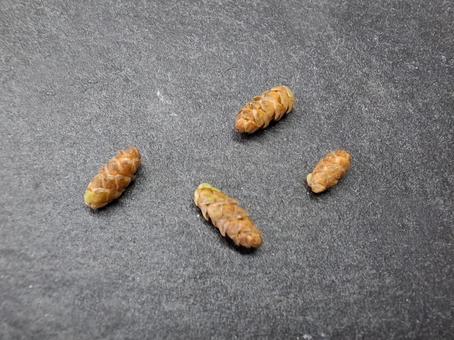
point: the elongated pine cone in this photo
(113, 178)
(262, 110)
(225, 214)
(332, 168)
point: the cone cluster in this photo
(221, 210)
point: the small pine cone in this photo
(333, 167)
(113, 178)
(262, 110)
(225, 214)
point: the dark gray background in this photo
(372, 258)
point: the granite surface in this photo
(370, 259)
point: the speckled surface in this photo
(372, 258)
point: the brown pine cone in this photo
(262, 110)
(332, 168)
(225, 214)
(112, 179)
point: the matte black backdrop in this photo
(372, 258)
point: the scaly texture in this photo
(112, 179)
(262, 110)
(333, 167)
(226, 215)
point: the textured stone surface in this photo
(372, 258)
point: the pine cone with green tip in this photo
(225, 214)
(113, 178)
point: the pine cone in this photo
(333, 167)
(262, 110)
(112, 179)
(225, 214)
